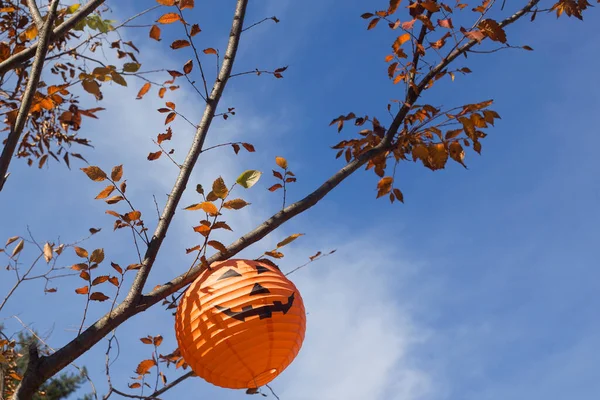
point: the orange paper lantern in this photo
(240, 324)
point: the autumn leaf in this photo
(289, 239)
(154, 156)
(134, 385)
(114, 280)
(373, 23)
(47, 252)
(248, 147)
(94, 173)
(117, 267)
(114, 199)
(97, 256)
(217, 245)
(170, 118)
(187, 67)
(235, 204)
(145, 366)
(206, 206)
(97, 296)
(169, 18)
(157, 340)
(275, 187)
(210, 50)
(219, 188)
(179, 44)
(274, 254)
(100, 279)
(82, 290)
(400, 40)
(18, 248)
(282, 162)
(133, 215)
(146, 340)
(11, 240)
(183, 4)
(155, 32)
(493, 30)
(384, 186)
(143, 90)
(81, 252)
(473, 35)
(221, 224)
(457, 153)
(248, 178)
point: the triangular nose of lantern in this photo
(258, 289)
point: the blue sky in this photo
(481, 286)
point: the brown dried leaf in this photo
(221, 224)
(98, 296)
(97, 256)
(219, 188)
(493, 30)
(210, 50)
(47, 252)
(81, 252)
(170, 118)
(114, 199)
(217, 245)
(195, 30)
(275, 187)
(100, 279)
(155, 32)
(235, 204)
(94, 173)
(146, 340)
(18, 248)
(117, 173)
(117, 267)
(154, 156)
(157, 340)
(183, 4)
(179, 44)
(188, 66)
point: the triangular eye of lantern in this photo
(258, 289)
(230, 273)
(260, 269)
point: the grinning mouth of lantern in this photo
(263, 312)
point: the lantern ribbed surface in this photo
(240, 324)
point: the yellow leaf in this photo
(289, 239)
(282, 162)
(248, 178)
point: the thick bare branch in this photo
(19, 58)
(35, 14)
(32, 84)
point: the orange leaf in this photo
(373, 23)
(275, 187)
(100, 279)
(206, 206)
(166, 2)
(143, 90)
(384, 186)
(210, 50)
(105, 192)
(154, 156)
(400, 40)
(170, 118)
(145, 366)
(81, 252)
(169, 18)
(82, 290)
(282, 162)
(155, 32)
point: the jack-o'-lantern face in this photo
(240, 323)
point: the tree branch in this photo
(30, 89)
(19, 58)
(35, 14)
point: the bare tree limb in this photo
(35, 14)
(30, 89)
(19, 58)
